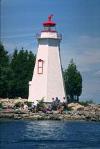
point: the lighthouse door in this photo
(40, 66)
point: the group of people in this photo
(55, 105)
(59, 106)
(57, 99)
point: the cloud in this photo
(29, 45)
(89, 57)
(85, 41)
(97, 73)
(17, 36)
(91, 87)
(85, 50)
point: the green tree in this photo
(22, 65)
(73, 82)
(4, 72)
(15, 72)
(4, 58)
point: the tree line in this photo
(16, 71)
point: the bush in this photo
(69, 108)
(40, 105)
(1, 106)
(86, 103)
(29, 104)
(18, 104)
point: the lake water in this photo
(49, 135)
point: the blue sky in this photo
(77, 20)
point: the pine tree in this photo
(15, 72)
(73, 82)
(22, 65)
(4, 72)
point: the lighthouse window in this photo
(40, 66)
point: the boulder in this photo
(75, 106)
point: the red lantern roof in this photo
(49, 22)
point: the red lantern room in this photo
(49, 25)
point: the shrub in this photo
(69, 108)
(40, 105)
(86, 103)
(18, 104)
(29, 104)
(1, 106)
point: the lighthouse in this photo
(47, 81)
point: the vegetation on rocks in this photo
(40, 105)
(18, 104)
(1, 106)
(86, 103)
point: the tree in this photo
(22, 65)
(4, 58)
(15, 72)
(4, 72)
(73, 82)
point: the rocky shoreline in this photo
(72, 115)
(77, 112)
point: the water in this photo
(49, 135)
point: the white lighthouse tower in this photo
(47, 81)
